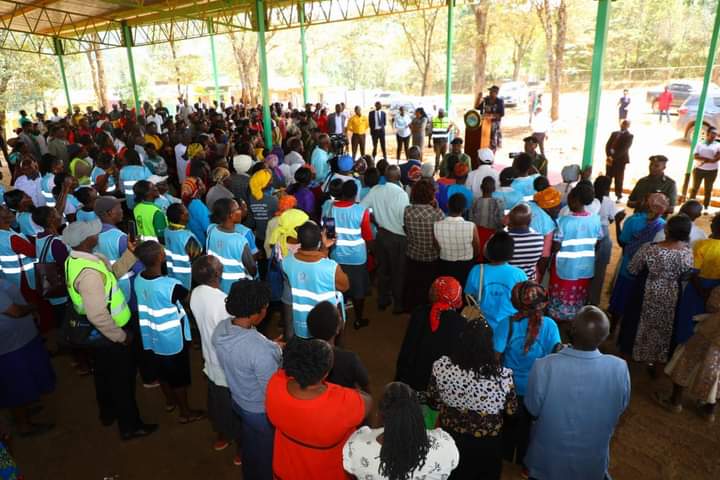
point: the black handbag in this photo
(77, 331)
(49, 276)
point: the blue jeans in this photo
(257, 444)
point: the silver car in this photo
(688, 112)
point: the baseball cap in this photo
(76, 232)
(105, 203)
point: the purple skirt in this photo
(25, 375)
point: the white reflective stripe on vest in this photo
(157, 313)
(234, 276)
(160, 327)
(110, 188)
(318, 297)
(177, 269)
(177, 256)
(226, 261)
(581, 254)
(348, 231)
(299, 307)
(574, 242)
(12, 258)
(15, 270)
(528, 198)
(349, 243)
(146, 238)
(128, 186)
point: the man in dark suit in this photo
(377, 120)
(617, 150)
(337, 122)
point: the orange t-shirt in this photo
(310, 434)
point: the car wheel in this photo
(690, 130)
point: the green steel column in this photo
(306, 88)
(448, 54)
(267, 124)
(601, 30)
(128, 42)
(712, 53)
(59, 52)
(211, 31)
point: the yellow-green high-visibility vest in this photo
(144, 214)
(115, 298)
(440, 128)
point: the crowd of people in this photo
(128, 237)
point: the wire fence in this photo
(637, 76)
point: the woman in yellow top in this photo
(706, 276)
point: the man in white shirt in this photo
(401, 124)
(30, 182)
(377, 121)
(485, 169)
(55, 117)
(180, 160)
(540, 126)
(154, 118)
(707, 154)
(337, 122)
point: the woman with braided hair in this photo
(474, 393)
(402, 449)
(522, 339)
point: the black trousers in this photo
(378, 136)
(480, 458)
(617, 174)
(357, 141)
(402, 143)
(707, 177)
(390, 250)
(516, 435)
(115, 372)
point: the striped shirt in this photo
(528, 250)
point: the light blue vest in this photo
(164, 201)
(12, 264)
(177, 259)
(228, 248)
(96, 172)
(524, 185)
(540, 221)
(350, 246)
(109, 246)
(576, 258)
(46, 186)
(27, 226)
(163, 324)
(49, 258)
(83, 216)
(129, 176)
(310, 284)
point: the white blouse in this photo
(361, 455)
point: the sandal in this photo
(194, 416)
(220, 445)
(237, 460)
(169, 408)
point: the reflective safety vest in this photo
(27, 226)
(176, 257)
(440, 128)
(46, 186)
(349, 246)
(163, 324)
(144, 214)
(310, 284)
(96, 172)
(109, 246)
(12, 264)
(525, 186)
(129, 176)
(85, 216)
(114, 296)
(578, 234)
(228, 248)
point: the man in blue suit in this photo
(377, 120)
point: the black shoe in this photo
(358, 324)
(143, 431)
(107, 421)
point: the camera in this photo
(338, 144)
(514, 154)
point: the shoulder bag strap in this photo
(480, 283)
(46, 247)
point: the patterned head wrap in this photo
(547, 198)
(460, 169)
(193, 150)
(190, 189)
(446, 294)
(219, 174)
(360, 166)
(258, 182)
(657, 203)
(415, 173)
(287, 227)
(530, 299)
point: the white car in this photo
(514, 93)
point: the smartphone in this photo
(132, 231)
(329, 225)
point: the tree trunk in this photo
(93, 74)
(481, 45)
(516, 59)
(102, 83)
(421, 53)
(559, 47)
(173, 52)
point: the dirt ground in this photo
(648, 444)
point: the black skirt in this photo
(419, 276)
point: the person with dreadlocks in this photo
(474, 393)
(401, 449)
(520, 340)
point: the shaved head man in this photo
(577, 396)
(529, 244)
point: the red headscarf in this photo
(446, 294)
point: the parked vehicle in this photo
(680, 89)
(687, 114)
(514, 93)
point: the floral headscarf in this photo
(530, 299)
(446, 294)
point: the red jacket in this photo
(664, 100)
